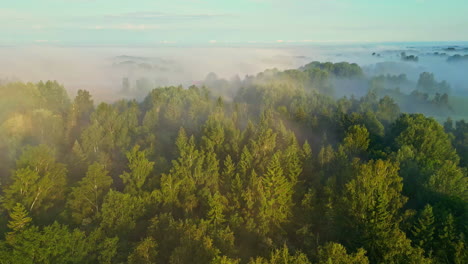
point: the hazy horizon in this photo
(189, 64)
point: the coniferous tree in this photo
(19, 219)
(140, 168)
(423, 230)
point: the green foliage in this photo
(140, 168)
(342, 69)
(336, 253)
(276, 196)
(240, 182)
(425, 137)
(19, 218)
(86, 198)
(120, 211)
(282, 256)
(83, 105)
(423, 230)
(52, 244)
(356, 141)
(54, 96)
(460, 133)
(184, 241)
(225, 260)
(450, 180)
(427, 82)
(450, 247)
(144, 253)
(371, 203)
(110, 131)
(107, 250)
(217, 205)
(429, 163)
(38, 182)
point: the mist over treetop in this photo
(101, 69)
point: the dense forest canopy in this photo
(272, 168)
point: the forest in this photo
(278, 167)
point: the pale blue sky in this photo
(123, 22)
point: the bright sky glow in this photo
(126, 22)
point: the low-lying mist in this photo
(115, 72)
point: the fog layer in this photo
(105, 70)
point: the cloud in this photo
(9, 16)
(135, 21)
(132, 21)
(8, 12)
(128, 27)
(45, 41)
(162, 16)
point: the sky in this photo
(148, 22)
